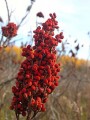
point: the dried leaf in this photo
(77, 47)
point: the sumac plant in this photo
(38, 73)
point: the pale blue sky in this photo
(73, 17)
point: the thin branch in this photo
(17, 115)
(6, 42)
(7, 10)
(35, 113)
(25, 15)
(1, 40)
(28, 116)
(15, 40)
(11, 13)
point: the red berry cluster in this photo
(38, 74)
(10, 30)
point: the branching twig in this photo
(34, 115)
(7, 10)
(25, 15)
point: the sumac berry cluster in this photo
(10, 30)
(38, 74)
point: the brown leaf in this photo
(40, 14)
(72, 53)
(77, 47)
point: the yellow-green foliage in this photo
(72, 60)
(63, 59)
(16, 51)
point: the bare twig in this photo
(6, 42)
(25, 15)
(1, 40)
(17, 115)
(7, 10)
(35, 113)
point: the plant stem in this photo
(7, 10)
(17, 116)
